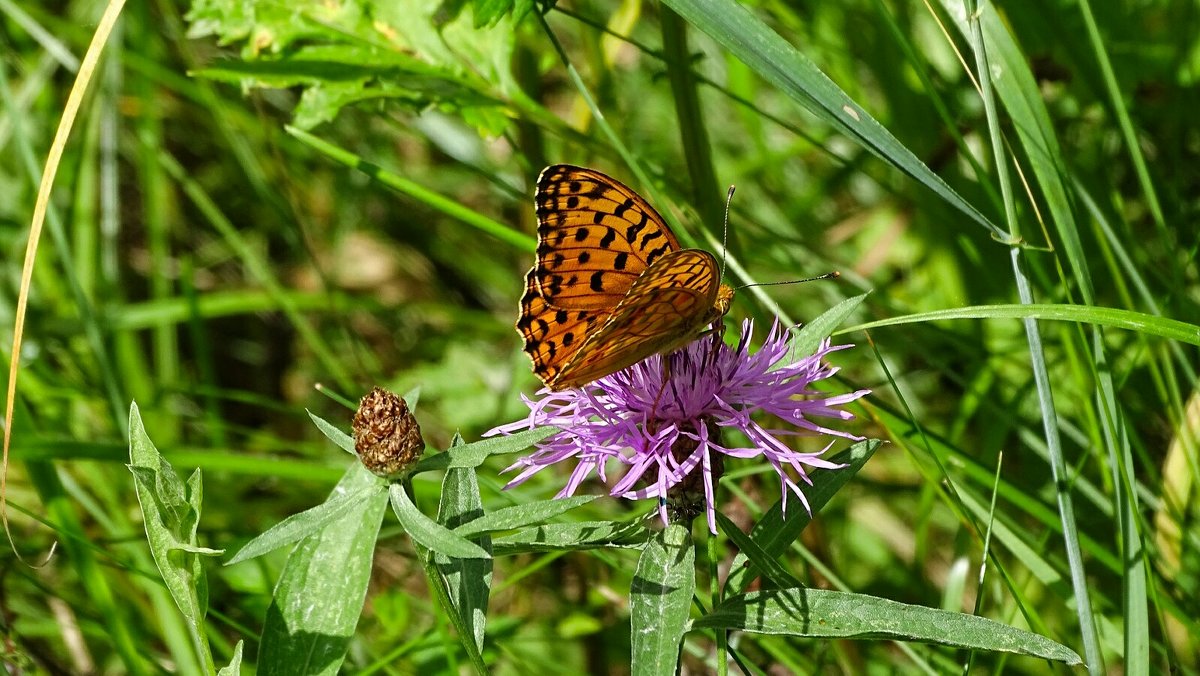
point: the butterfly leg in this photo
(666, 371)
(717, 332)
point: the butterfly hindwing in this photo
(665, 309)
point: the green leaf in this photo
(429, 533)
(170, 512)
(774, 533)
(406, 51)
(320, 595)
(468, 580)
(299, 526)
(573, 537)
(661, 595)
(1100, 316)
(819, 613)
(474, 454)
(235, 664)
(734, 27)
(749, 549)
(806, 340)
(344, 441)
(519, 516)
(489, 12)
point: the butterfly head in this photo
(724, 299)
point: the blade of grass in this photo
(1019, 93)
(53, 46)
(749, 39)
(81, 553)
(1101, 316)
(1117, 102)
(697, 151)
(74, 100)
(1079, 582)
(443, 204)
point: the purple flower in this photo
(666, 424)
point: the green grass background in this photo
(259, 197)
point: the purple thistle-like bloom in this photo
(663, 428)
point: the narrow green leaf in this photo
(468, 580)
(344, 441)
(519, 516)
(1021, 95)
(474, 454)
(299, 526)
(774, 533)
(820, 613)
(235, 664)
(429, 533)
(806, 340)
(320, 595)
(661, 595)
(734, 27)
(1101, 316)
(747, 547)
(499, 231)
(572, 537)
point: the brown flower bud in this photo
(387, 437)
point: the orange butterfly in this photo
(610, 286)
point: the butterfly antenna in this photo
(725, 230)
(828, 275)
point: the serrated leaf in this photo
(661, 595)
(320, 595)
(474, 454)
(519, 516)
(819, 613)
(429, 533)
(774, 533)
(299, 526)
(573, 537)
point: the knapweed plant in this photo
(661, 433)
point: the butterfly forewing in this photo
(595, 237)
